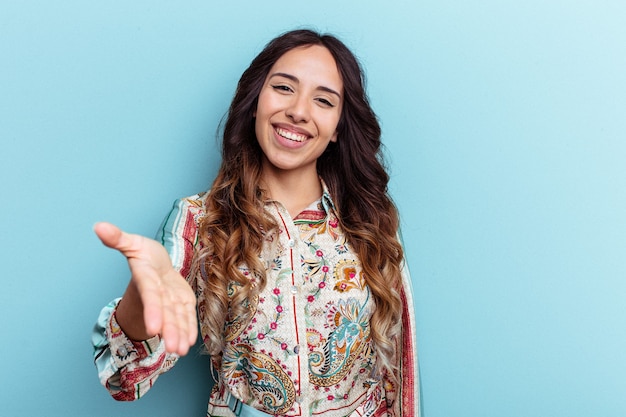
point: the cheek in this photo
(260, 115)
(265, 104)
(332, 125)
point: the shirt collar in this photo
(327, 200)
(319, 210)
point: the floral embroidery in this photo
(262, 375)
(348, 276)
(349, 324)
(236, 325)
(308, 349)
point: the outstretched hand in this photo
(158, 300)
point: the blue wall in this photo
(505, 126)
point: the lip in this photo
(290, 137)
(292, 130)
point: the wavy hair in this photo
(236, 223)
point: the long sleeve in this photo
(410, 373)
(410, 403)
(128, 368)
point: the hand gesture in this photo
(158, 300)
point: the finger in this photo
(171, 328)
(153, 318)
(193, 322)
(171, 324)
(108, 233)
(180, 324)
(151, 294)
(113, 237)
(183, 328)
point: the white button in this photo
(122, 351)
(291, 243)
(294, 289)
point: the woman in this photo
(292, 256)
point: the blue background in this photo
(505, 129)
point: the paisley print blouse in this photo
(306, 349)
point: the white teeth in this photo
(290, 135)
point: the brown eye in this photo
(282, 88)
(325, 102)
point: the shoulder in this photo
(194, 204)
(195, 201)
(184, 216)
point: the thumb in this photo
(112, 236)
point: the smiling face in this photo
(298, 110)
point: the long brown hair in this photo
(233, 230)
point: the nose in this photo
(298, 109)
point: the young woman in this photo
(291, 260)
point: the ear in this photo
(334, 137)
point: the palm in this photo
(157, 293)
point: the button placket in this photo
(296, 246)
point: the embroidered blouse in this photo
(306, 349)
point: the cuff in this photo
(124, 350)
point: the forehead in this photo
(312, 64)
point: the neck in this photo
(294, 190)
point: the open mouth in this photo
(296, 137)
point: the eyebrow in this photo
(295, 79)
